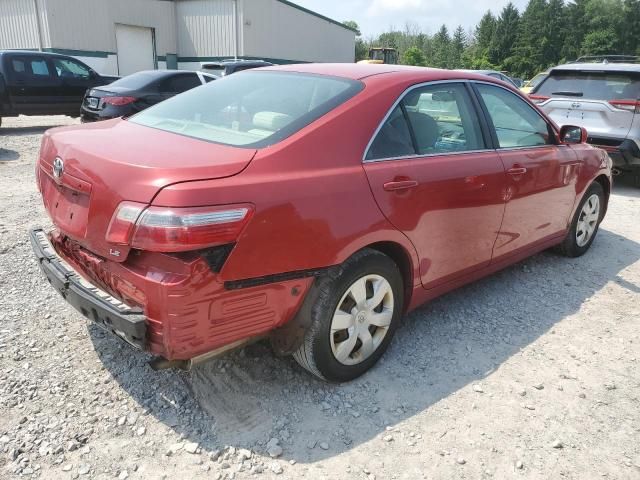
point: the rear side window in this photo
(430, 120)
(255, 109)
(18, 66)
(34, 67)
(180, 83)
(39, 68)
(591, 85)
(516, 123)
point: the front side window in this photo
(66, 68)
(430, 120)
(254, 110)
(516, 123)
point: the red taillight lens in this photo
(118, 101)
(538, 98)
(163, 229)
(123, 222)
(628, 105)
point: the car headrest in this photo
(426, 130)
(272, 121)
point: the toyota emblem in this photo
(576, 105)
(58, 168)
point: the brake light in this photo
(118, 101)
(538, 98)
(164, 229)
(628, 105)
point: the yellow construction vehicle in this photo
(381, 55)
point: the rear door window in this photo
(430, 120)
(517, 124)
(31, 68)
(591, 85)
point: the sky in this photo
(376, 16)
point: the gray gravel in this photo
(531, 373)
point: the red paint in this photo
(457, 217)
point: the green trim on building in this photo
(316, 14)
(277, 61)
(79, 53)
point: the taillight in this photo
(538, 98)
(628, 105)
(164, 229)
(118, 101)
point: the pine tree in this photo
(505, 36)
(458, 44)
(442, 48)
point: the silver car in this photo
(604, 98)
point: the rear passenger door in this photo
(32, 85)
(435, 178)
(541, 174)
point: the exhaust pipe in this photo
(161, 363)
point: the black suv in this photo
(37, 83)
(229, 66)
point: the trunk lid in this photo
(85, 172)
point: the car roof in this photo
(27, 53)
(598, 67)
(231, 62)
(360, 71)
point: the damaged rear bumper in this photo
(106, 311)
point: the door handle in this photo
(517, 171)
(399, 185)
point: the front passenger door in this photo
(541, 175)
(436, 179)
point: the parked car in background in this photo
(529, 85)
(38, 83)
(493, 74)
(604, 98)
(196, 226)
(138, 91)
(227, 67)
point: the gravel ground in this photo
(532, 373)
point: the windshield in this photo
(252, 109)
(591, 85)
(217, 70)
(535, 81)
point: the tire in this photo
(323, 345)
(574, 244)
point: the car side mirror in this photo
(572, 135)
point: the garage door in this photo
(135, 49)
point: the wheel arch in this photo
(604, 182)
(402, 259)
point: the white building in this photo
(123, 36)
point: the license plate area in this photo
(68, 208)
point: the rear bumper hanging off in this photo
(106, 311)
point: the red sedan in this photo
(311, 204)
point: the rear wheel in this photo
(586, 221)
(354, 317)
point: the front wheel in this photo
(586, 221)
(353, 318)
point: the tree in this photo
(441, 48)
(362, 50)
(630, 32)
(414, 56)
(599, 42)
(504, 38)
(458, 45)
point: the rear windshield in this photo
(135, 81)
(591, 85)
(217, 70)
(253, 109)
